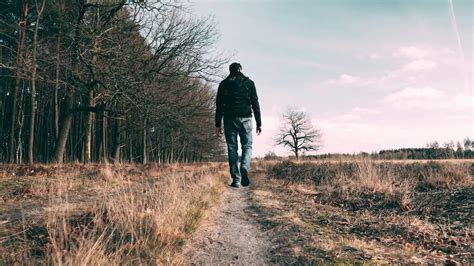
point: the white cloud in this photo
(369, 56)
(411, 66)
(442, 55)
(412, 52)
(460, 117)
(365, 111)
(284, 60)
(346, 117)
(415, 97)
(356, 113)
(420, 65)
(375, 56)
(429, 98)
(347, 80)
(463, 100)
(344, 79)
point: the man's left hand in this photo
(259, 130)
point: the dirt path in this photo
(231, 235)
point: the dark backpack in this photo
(237, 97)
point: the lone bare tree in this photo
(297, 134)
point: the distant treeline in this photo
(433, 151)
(106, 80)
(406, 154)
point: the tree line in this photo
(432, 151)
(106, 80)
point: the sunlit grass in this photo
(136, 215)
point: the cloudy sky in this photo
(371, 74)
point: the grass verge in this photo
(136, 215)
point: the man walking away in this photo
(236, 98)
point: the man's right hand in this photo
(218, 132)
(259, 130)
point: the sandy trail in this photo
(231, 236)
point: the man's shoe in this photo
(235, 185)
(245, 180)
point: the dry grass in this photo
(375, 184)
(98, 215)
(368, 211)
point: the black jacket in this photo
(237, 97)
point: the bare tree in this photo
(297, 134)
(433, 145)
(468, 144)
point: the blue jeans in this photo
(243, 128)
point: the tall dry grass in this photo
(374, 184)
(371, 212)
(142, 220)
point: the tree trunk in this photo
(91, 103)
(64, 131)
(56, 83)
(105, 154)
(21, 43)
(21, 120)
(90, 121)
(118, 142)
(130, 148)
(56, 87)
(296, 146)
(33, 84)
(3, 105)
(145, 150)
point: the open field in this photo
(293, 213)
(368, 211)
(362, 159)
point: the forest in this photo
(106, 81)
